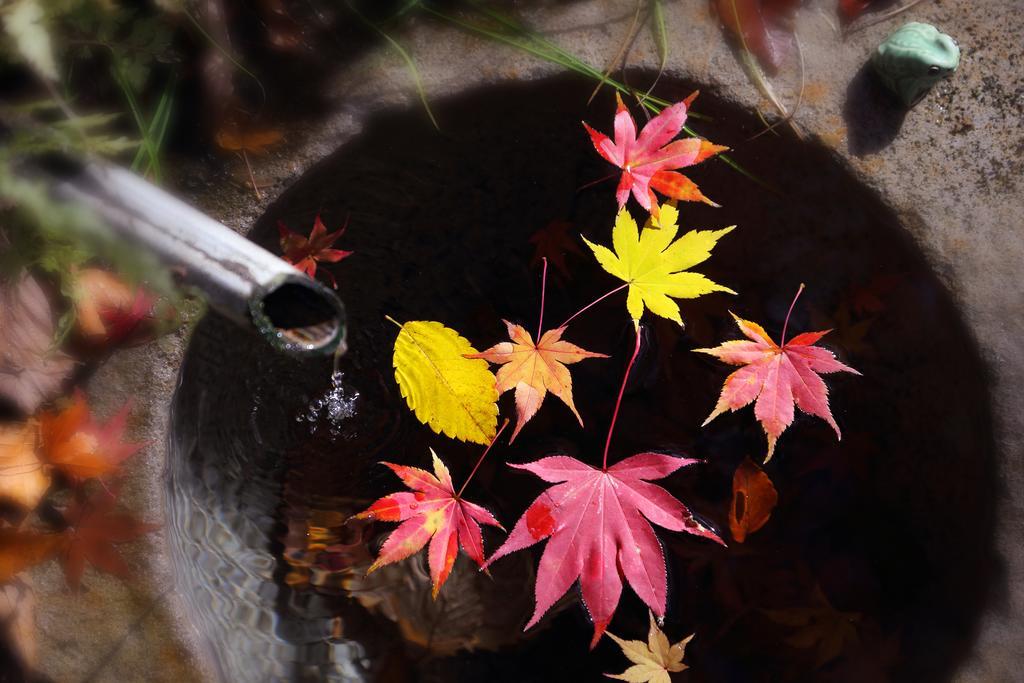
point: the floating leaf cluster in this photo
(597, 521)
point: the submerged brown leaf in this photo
(555, 242)
(475, 612)
(819, 627)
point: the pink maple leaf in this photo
(777, 376)
(599, 525)
(647, 161)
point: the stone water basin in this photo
(910, 525)
(886, 536)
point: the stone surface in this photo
(950, 167)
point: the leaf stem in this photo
(594, 303)
(785, 325)
(543, 289)
(252, 178)
(618, 401)
(482, 456)
(595, 182)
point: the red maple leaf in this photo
(871, 297)
(95, 528)
(554, 242)
(433, 512)
(110, 312)
(777, 376)
(851, 9)
(647, 161)
(127, 326)
(599, 525)
(763, 27)
(306, 252)
(81, 447)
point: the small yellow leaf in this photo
(653, 264)
(653, 660)
(450, 393)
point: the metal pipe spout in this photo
(239, 279)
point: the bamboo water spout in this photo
(239, 279)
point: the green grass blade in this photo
(406, 57)
(532, 43)
(224, 51)
(147, 144)
(156, 132)
(162, 117)
(404, 9)
(660, 33)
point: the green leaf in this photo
(406, 57)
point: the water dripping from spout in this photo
(334, 406)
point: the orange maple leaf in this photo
(753, 499)
(79, 446)
(433, 512)
(235, 138)
(305, 252)
(95, 528)
(533, 369)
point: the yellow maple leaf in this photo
(653, 660)
(653, 265)
(450, 393)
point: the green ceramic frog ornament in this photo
(913, 59)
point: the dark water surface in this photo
(876, 561)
